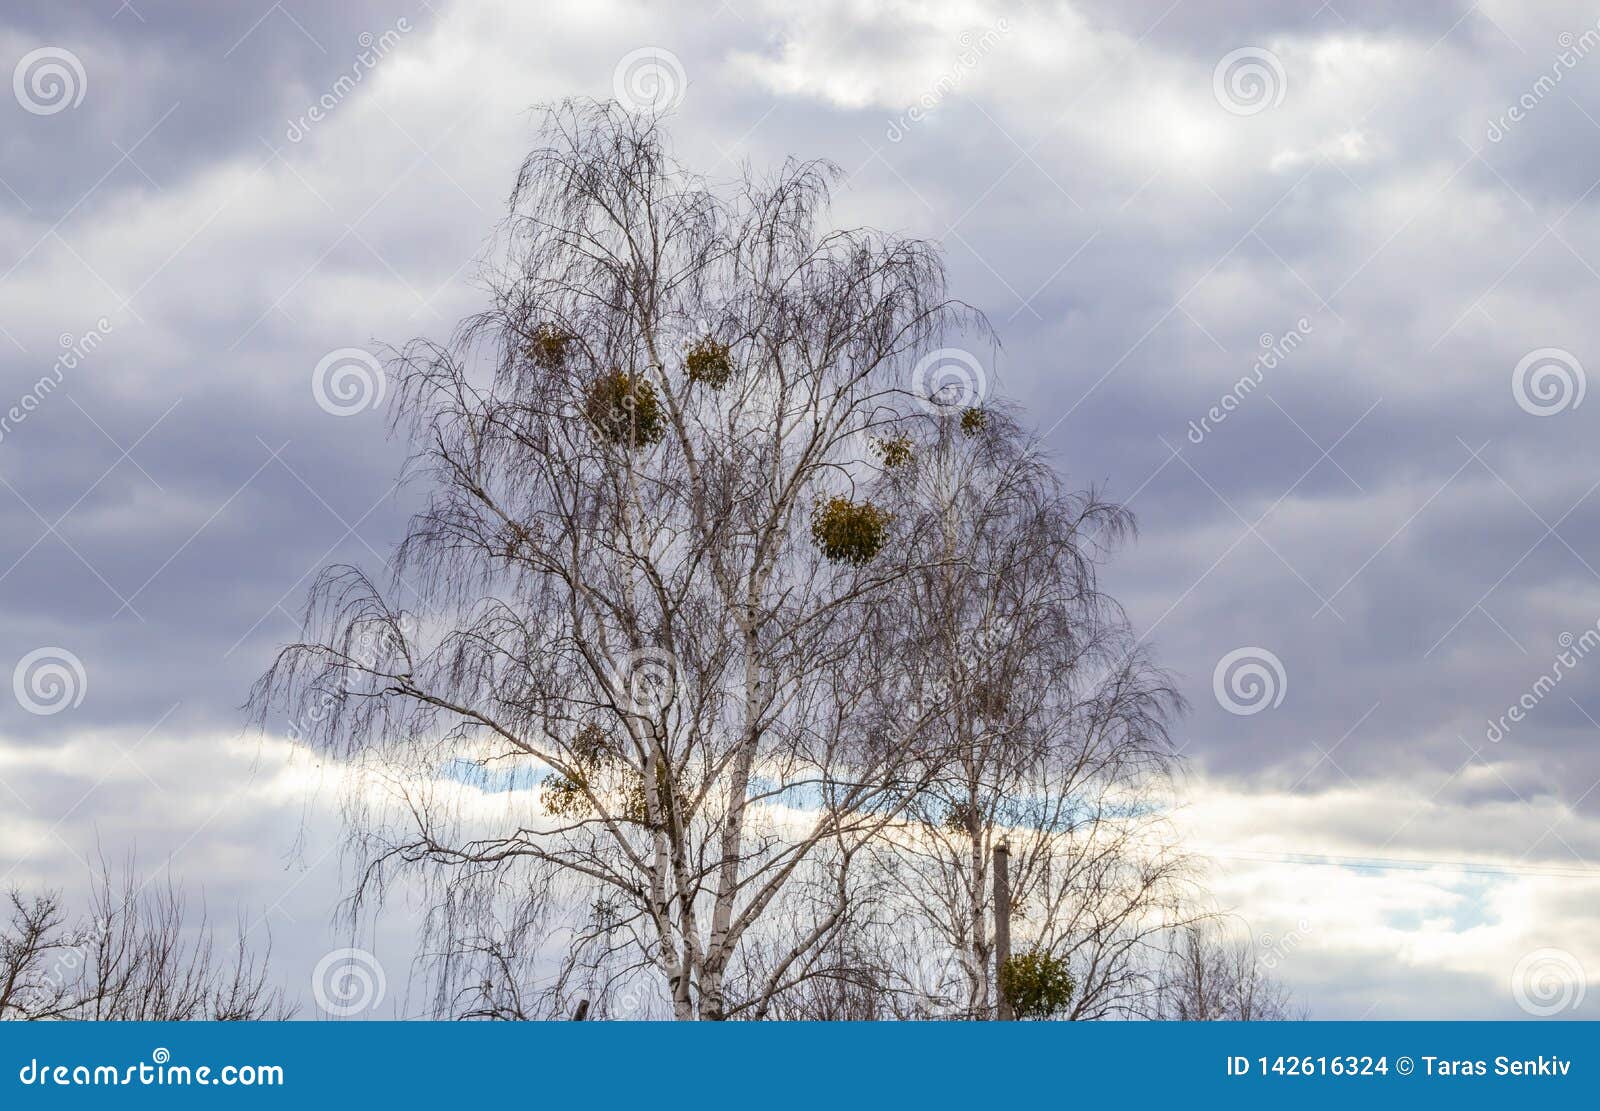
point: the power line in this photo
(1470, 867)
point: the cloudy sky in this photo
(1310, 288)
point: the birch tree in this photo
(1052, 720)
(637, 675)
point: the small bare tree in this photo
(137, 955)
(1213, 975)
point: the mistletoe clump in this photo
(567, 796)
(708, 362)
(848, 532)
(547, 350)
(962, 817)
(974, 421)
(893, 452)
(624, 409)
(1037, 984)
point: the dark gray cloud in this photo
(213, 81)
